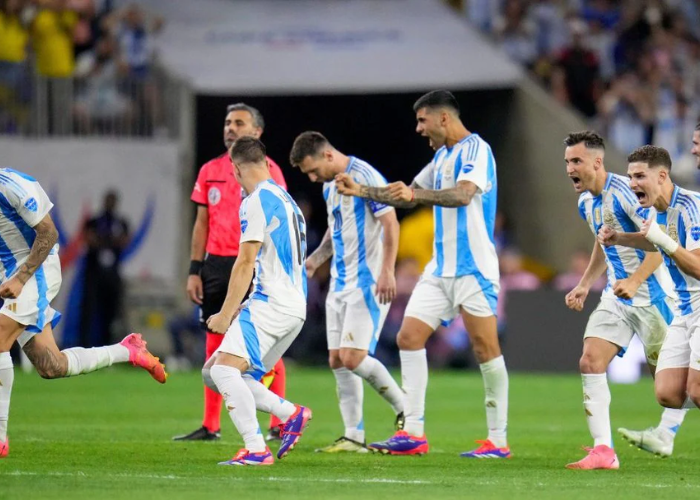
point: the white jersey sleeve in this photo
(426, 177)
(26, 196)
(253, 221)
(691, 219)
(474, 165)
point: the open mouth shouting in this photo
(578, 185)
(642, 197)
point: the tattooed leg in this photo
(44, 354)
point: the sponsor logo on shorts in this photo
(12, 307)
(348, 337)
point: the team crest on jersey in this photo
(214, 196)
(695, 232)
(31, 205)
(672, 232)
(608, 218)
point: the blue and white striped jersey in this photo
(356, 232)
(618, 207)
(681, 221)
(463, 243)
(271, 216)
(23, 204)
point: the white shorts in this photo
(354, 319)
(33, 306)
(437, 300)
(682, 346)
(260, 335)
(618, 323)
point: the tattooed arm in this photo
(320, 255)
(46, 238)
(398, 194)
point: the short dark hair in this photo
(437, 99)
(653, 156)
(307, 143)
(258, 119)
(589, 138)
(697, 127)
(247, 150)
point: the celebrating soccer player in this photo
(462, 278)
(31, 278)
(673, 228)
(362, 238)
(638, 298)
(217, 231)
(273, 242)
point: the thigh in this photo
(430, 303)
(610, 322)
(476, 295)
(362, 321)
(675, 351)
(651, 326)
(335, 311)
(10, 331)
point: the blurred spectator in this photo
(513, 277)
(100, 102)
(184, 327)
(501, 237)
(14, 38)
(52, 37)
(313, 235)
(107, 235)
(516, 33)
(416, 237)
(577, 266)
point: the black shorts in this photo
(216, 272)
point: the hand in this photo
(386, 287)
(399, 191)
(646, 226)
(346, 185)
(194, 288)
(626, 288)
(607, 236)
(310, 267)
(576, 298)
(11, 288)
(220, 322)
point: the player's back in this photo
(271, 216)
(681, 221)
(23, 204)
(618, 207)
(355, 230)
(464, 240)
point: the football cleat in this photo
(139, 355)
(344, 445)
(4, 447)
(245, 457)
(402, 443)
(599, 457)
(399, 422)
(293, 429)
(653, 440)
(201, 434)
(487, 450)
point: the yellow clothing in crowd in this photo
(53, 43)
(13, 39)
(416, 236)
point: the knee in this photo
(591, 364)
(334, 360)
(50, 372)
(485, 348)
(351, 358)
(694, 392)
(669, 399)
(208, 381)
(408, 341)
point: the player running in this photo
(673, 228)
(462, 278)
(273, 245)
(638, 298)
(363, 242)
(31, 277)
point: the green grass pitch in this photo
(107, 435)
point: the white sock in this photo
(350, 396)
(671, 420)
(7, 377)
(414, 376)
(268, 401)
(376, 375)
(596, 401)
(689, 404)
(495, 378)
(240, 405)
(81, 360)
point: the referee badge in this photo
(214, 196)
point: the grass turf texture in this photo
(107, 435)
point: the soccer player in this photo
(462, 278)
(217, 232)
(638, 298)
(673, 228)
(31, 277)
(273, 245)
(363, 242)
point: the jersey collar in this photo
(674, 196)
(350, 163)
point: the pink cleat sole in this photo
(140, 356)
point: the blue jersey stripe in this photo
(439, 233)
(374, 313)
(364, 275)
(11, 214)
(7, 258)
(12, 184)
(677, 277)
(490, 199)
